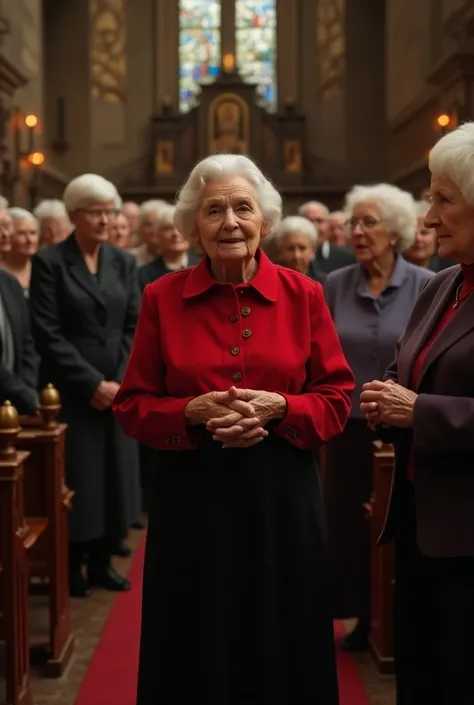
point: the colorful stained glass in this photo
(199, 47)
(255, 24)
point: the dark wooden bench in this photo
(382, 562)
(47, 499)
(17, 537)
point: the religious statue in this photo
(228, 126)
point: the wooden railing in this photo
(48, 499)
(16, 536)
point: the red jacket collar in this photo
(265, 280)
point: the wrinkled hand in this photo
(104, 395)
(218, 405)
(242, 433)
(387, 403)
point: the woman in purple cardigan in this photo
(370, 302)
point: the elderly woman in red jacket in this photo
(236, 376)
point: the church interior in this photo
(324, 96)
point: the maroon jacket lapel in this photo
(422, 326)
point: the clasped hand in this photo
(237, 418)
(387, 403)
(104, 395)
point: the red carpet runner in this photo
(112, 675)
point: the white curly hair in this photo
(453, 156)
(296, 224)
(221, 166)
(397, 209)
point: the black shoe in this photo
(79, 586)
(108, 578)
(121, 549)
(357, 640)
(138, 524)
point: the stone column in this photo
(365, 113)
(167, 54)
(288, 52)
(67, 76)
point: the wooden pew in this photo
(48, 499)
(15, 537)
(382, 562)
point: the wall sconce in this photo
(36, 158)
(445, 122)
(20, 156)
(228, 63)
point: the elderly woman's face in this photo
(452, 219)
(370, 237)
(119, 231)
(6, 232)
(424, 245)
(171, 240)
(93, 221)
(54, 230)
(229, 221)
(25, 237)
(296, 251)
(148, 227)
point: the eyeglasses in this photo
(97, 213)
(366, 223)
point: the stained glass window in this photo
(255, 24)
(199, 47)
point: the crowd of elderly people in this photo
(347, 292)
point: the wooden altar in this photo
(228, 118)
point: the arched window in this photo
(199, 47)
(255, 26)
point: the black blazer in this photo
(148, 273)
(83, 325)
(316, 274)
(338, 257)
(19, 386)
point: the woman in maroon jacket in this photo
(425, 406)
(236, 594)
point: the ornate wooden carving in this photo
(227, 119)
(108, 49)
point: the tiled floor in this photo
(88, 618)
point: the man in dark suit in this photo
(18, 358)
(328, 257)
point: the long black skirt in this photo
(348, 486)
(236, 590)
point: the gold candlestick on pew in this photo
(50, 406)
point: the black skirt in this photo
(236, 591)
(348, 486)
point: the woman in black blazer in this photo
(84, 305)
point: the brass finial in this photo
(50, 406)
(9, 429)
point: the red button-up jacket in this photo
(196, 335)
